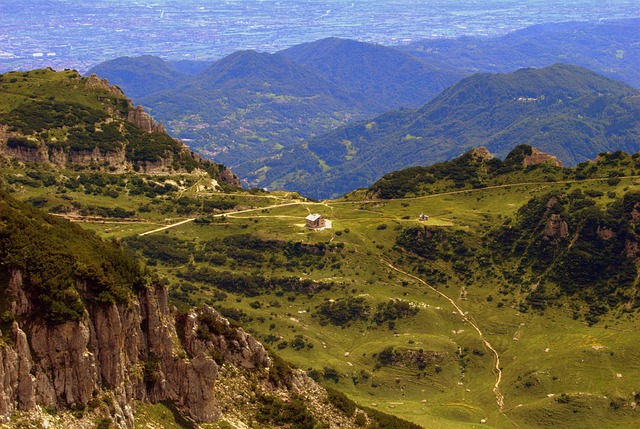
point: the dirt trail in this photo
(498, 371)
(167, 227)
(223, 214)
(462, 191)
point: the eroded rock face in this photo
(94, 82)
(556, 227)
(130, 350)
(229, 177)
(481, 154)
(138, 117)
(635, 214)
(538, 157)
(605, 233)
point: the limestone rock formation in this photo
(480, 154)
(556, 227)
(538, 157)
(94, 82)
(138, 117)
(132, 349)
(230, 177)
(129, 352)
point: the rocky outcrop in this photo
(230, 177)
(138, 117)
(556, 227)
(129, 350)
(94, 82)
(538, 157)
(480, 154)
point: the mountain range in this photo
(567, 111)
(609, 48)
(250, 104)
(312, 88)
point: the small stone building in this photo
(315, 221)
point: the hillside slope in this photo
(510, 303)
(420, 316)
(382, 75)
(88, 334)
(566, 111)
(63, 119)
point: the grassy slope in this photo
(571, 357)
(553, 353)
(46, 83)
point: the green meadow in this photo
(345, 303)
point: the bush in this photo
(272, 410)
(329, 373)
(341, 402)
(343, 311)
(393, 309)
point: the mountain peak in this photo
(139, 76)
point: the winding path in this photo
(498, 371)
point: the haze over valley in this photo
(79, 34)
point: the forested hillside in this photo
(565, 111)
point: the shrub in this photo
(343, 311)
(341, 402)
(393, 309)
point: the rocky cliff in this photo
(131, 349)
(134, 114)
(86, 331)
(123, 353)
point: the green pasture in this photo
(556, 371)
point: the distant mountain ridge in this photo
(249, 104)
(140, 76)
(563, 110)
(242, 122)
(377, 73)
(610, 48)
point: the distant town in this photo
(71, 34)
